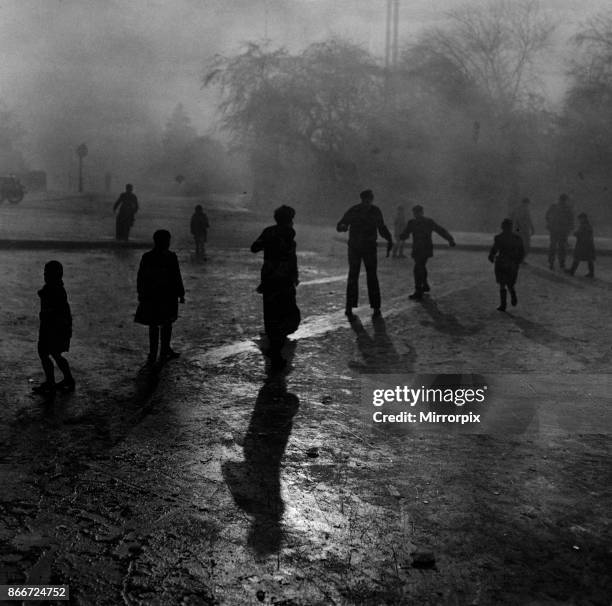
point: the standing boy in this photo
(55, 330)
(421, 228)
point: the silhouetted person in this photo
(279, 278)
(399, 224)
(421, 228)
(363, 221)
(507, 253)
(55, 330)
(199, 228)
(523, 225)
(585, 246)
(127, 203)
(559, 223)
(160, 288)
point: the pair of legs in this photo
(557, 248)
(200, 250)
(367, 254)
(398, 247)
(574, 267)
(165, 332)
(122, 229)
(281, 318)
(420, 276)
(46, 356)
(506, 278)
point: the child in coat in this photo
(55, 330)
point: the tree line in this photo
(461, 122)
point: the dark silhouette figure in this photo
(55, 330)
(585, 246)
(279, 279)
(399, 224)
(507, 253)
(127, 203)
(160, 287)
(378, 351)
(421, 228)
(559, 223)
(523, 225)
(363, 221)
(255, 482)
(199, 228)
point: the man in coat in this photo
(421, 228)
(363, 221)
(127, 203)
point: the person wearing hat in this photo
(421, 228)
(507, 253)
(559, 223)
(363, 221)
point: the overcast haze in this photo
(106, 71)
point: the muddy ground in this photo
(207, 481)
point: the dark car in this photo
(11, 189)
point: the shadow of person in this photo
(255, 482)
(445, 322)
(378, 351)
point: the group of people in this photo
(126, 208)
(160, 286)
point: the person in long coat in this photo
(279, 279)
(507, 253)
(160, 288)
(585, 246)
(523, 225)
(127, 203)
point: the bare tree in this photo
(494, 47)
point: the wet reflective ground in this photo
(207, 481)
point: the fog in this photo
(111, 73)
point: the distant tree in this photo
(491, 47)
(587, 116)
(299, 113)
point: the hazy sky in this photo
(69, 66)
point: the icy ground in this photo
(207, 482)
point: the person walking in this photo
(363, 221)
(507, 253)
(127, 203)
(421, 228)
